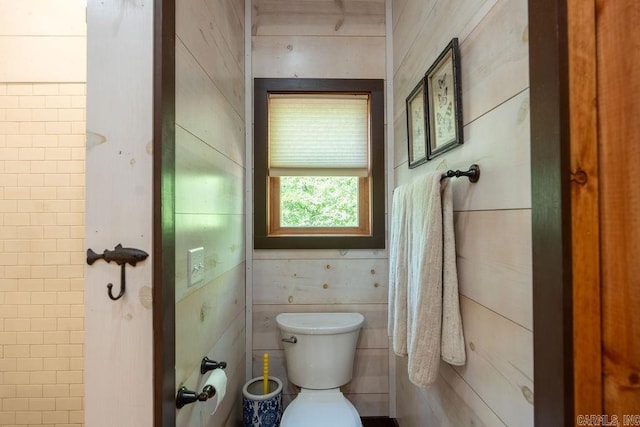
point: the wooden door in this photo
(604, 59)
(618, 69)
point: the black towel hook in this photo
(123, 285)
(122, 257)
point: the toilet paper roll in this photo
(218, 379)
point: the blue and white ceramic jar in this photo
(262, 410)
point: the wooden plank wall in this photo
(322, 39)
(210, 168)
(492, 217)
(119, 209)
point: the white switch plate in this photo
(195, 266)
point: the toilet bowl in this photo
(320, 408)
(319, 353)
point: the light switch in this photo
(195, 266)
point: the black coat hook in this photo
(123, 285)
(122, 257)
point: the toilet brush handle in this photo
(291, 340)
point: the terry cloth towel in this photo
(424, 313)
(453, 350)
(397, 324)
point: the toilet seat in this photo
(320, 408)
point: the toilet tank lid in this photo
(319, 323)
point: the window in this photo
(318, 163)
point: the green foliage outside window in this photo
(319, 201)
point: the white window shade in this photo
(318, 134)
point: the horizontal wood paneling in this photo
(495, 59)
(320, 25)
(203, 170)
(319, 18)
(478, 407)
(370, 404)
(370, 372)
(319, 7)
(494, 65)
(493, 217)
(210, 170)
(202, 109)
(194, 231)
(320, 281)
(499, 363)
(208, 37)
(209, 210)
(231, 349)
(323, 39)
(494, 269)
(320, 254)
(499, 142)
(496, 383)
(203, 317)
(319, 57)
(449, 402)
(423, 32)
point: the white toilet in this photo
(319, 349)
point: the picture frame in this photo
(443, 102)
(416, 125)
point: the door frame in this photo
(164, 387)
(551, 213)
(565, 211)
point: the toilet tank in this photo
(324, 350)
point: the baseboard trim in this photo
(379, 422)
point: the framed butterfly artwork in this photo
(416, 131)
(443, 102)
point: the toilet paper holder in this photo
(184, 396)
(209, 365)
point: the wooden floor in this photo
(379, 422)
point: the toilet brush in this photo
(265, 373)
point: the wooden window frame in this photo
(265, 187)
(275, 229)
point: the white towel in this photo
(424, 287)
(422, 258)
(453, 350)
(397, 325)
